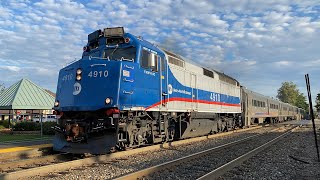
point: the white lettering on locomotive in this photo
(215, 97)
(67, 77)
(149, 73)
(98, 74)
(181, 91)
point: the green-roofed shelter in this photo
(25, 99)
(26, 95)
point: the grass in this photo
(5, 138)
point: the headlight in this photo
(78, 77)
(79, 71)
(56, 104)
(108, 100)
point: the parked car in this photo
(45, 118)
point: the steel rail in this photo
(238, 161)
(146, 172)
(44, 170)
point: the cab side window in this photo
(149, 60)
(144, 59)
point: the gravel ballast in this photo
(293, 157)
(202, 165)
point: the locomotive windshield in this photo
(120, 53)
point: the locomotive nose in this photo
(90, 85)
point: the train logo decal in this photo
(76, 88)
(126, 73)
(170, 89)
(181, 91)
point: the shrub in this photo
(34, 126)
(27, 126)
(47, 130)
(4, 123)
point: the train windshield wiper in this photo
(120, 53)
(113, 51)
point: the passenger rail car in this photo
(127, 92)
(259, 109)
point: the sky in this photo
(261, 43)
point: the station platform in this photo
(38, 144)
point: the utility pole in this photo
(311, 113)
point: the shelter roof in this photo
(26, 95)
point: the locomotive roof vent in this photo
(115, 31)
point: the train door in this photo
(163, 83)
(194, 91)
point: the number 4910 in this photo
(215, 97)
(95, 74)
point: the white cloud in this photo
(277, 18)
(212, 20)
(10, 68)
(246, 39)
(5, 13)
(283, 63)
(254, 36)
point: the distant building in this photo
(25, 101)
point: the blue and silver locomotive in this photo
(127, 92)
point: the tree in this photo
(289, 93)
(317, 106)
(302, 102)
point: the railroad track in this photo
(214, 162)
(39, 167)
